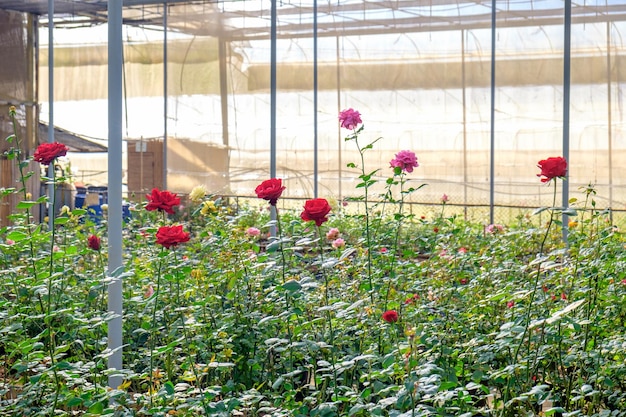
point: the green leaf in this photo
(25, 205)
(96, 408)
(169, 387)
(292, 285)
(278, 382)
(16, 236)
(273, 247)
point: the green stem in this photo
(367, 222)
(328, 315)
(152, 328)
(190, 361)
(526, 321)
(20, 166)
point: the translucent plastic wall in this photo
(425, 91)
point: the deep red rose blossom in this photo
(162, 200)
(270, 190)
(316, 210)
(48, 152)
(390, 316)
(168, 236)
(350, 119)
(553, 167)
(93, 242)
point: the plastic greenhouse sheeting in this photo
(423, 85)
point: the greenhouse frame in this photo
(479, 96)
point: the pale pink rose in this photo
(253, 231)
(149, 292)
(332, 234)
(339, 243)
(10, 242)
(462, 250)
(444, 198)
(494, 228)
(55, 248)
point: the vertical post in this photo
(273, 18)
(51, 193)
(493, 101)
(464, 104)
(566, 101)
(165, 97)
(609, 115)
(339, 139)
(224, 103)
(315, 140)
(115, 186)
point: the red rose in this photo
(270, 190)
(316, 210)
(93, 242)
(48, 152)
(552, 168)
(349, 119)
(168, 236)
(162, 200)
(390, 316)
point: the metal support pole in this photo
(51, 193)
(609, 114)
(464, 104)
(273, 18)
(566, 104)
(115, 186)
(165, 75)
(493, 100)
(315, 140)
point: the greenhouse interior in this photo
(479, 96)
(355, 208)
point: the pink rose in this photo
(332, 234)
(404, 161)
(148, 292)
(339, 243)
(253, 231)
(350, 119)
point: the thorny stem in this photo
(526, 321)
(20, 166)
(367, 220)
(152, 329)
(328, 315)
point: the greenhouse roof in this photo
(250, 19)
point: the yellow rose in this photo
(198, 193)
